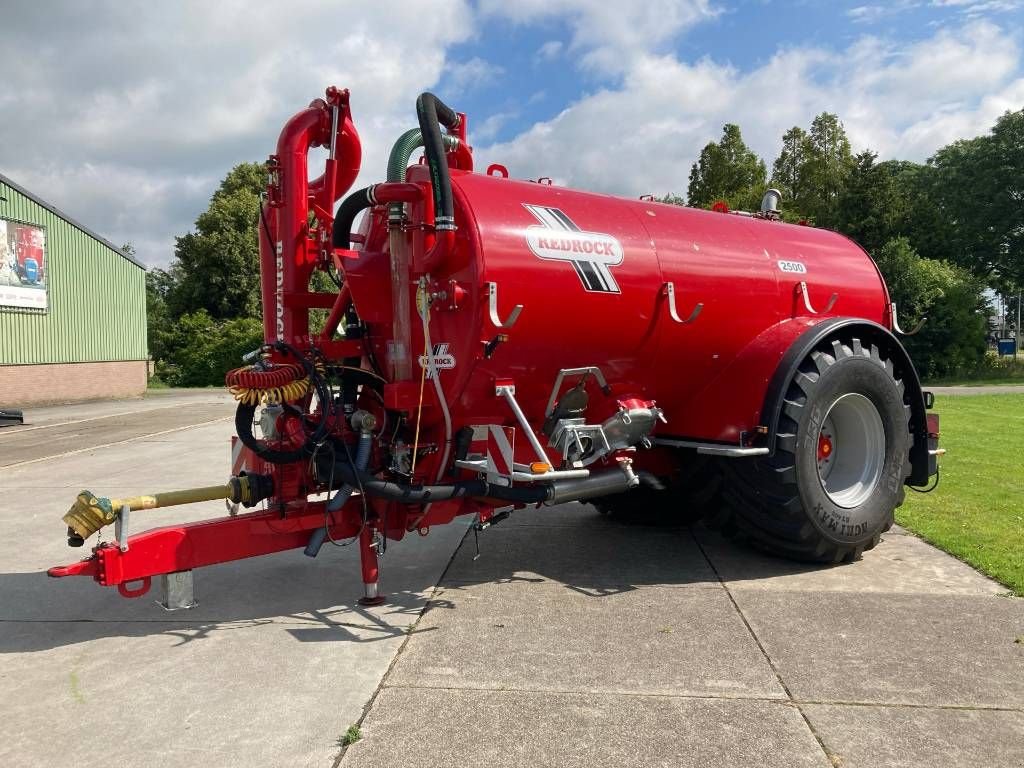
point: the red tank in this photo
(591, 273)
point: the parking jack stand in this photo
(371, 569)
(178, 591)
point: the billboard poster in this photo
(23, 267)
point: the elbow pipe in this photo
(367, 197)
(351, 206)
(348, 148)
(319, 536)
(432, 113)
(362, 459)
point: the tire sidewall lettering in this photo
(864, 376)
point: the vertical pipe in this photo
(268, 271)
(289, 251)
(400, 347)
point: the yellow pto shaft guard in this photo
(89, 513)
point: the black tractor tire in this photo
(687, 496)
(783, 503)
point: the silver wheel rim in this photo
(851, 450)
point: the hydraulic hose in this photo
(431, 113)
(246, 413)
(244, 416)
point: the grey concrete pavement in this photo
(576, 640)
(515, 728)
(271, 668)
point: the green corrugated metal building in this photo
(72, 308)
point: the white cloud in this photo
(870, 14)
(904, 102)
(127, 115)
(550, 50)
(608, 36)
(980, 7)
(471, 74)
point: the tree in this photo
(877, 202)
(952, 340)
(789, 171)
(728, 171)
(199, 349)
(829, 162)
(203, 311)
(978, 187)
(216, 268)
(158, 317)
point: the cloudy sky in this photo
(127, 114)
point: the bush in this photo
(198, 350)
(952, 342)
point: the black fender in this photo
(868, 332)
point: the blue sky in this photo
(528, 85)
(127, 114)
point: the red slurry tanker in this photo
(495, 344)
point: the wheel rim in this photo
(851, 450)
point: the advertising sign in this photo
(23, 267)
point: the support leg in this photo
(371, 571)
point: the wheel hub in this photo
(824, 446)
(851, 450)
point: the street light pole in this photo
(1016, 346)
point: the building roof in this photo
(57, 212)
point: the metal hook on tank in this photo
(802, 287)
(670, 290)
(896, 323)
(492, 302)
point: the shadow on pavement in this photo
(572, 545)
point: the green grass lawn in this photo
(977, 512)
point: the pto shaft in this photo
(89, 513)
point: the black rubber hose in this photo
(424, 494)
(430, 111)
(350, 207)
(244, 416)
